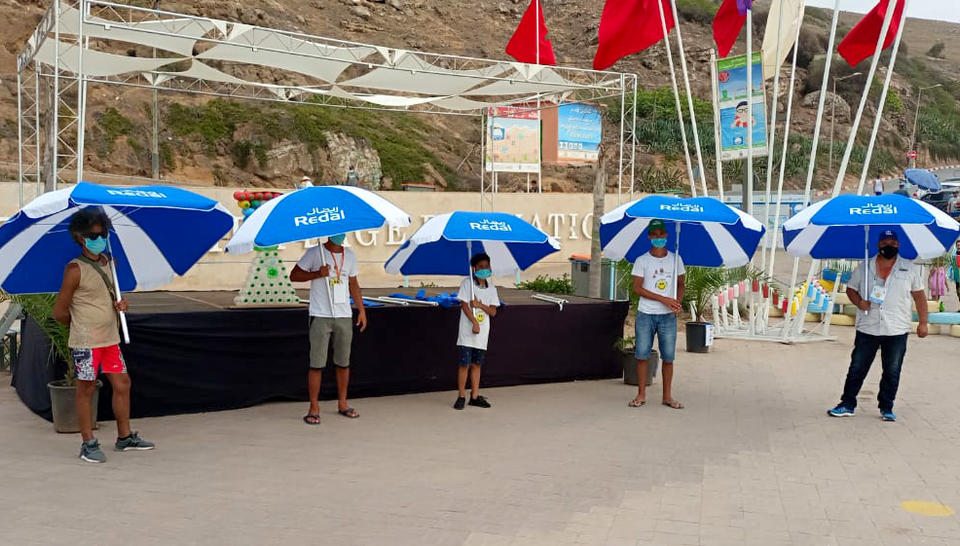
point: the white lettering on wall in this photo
(586, 227)
(358, 235)
(392, 235)
(556, 220)
(573, 226)
(535, 222)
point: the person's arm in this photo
(681, 287)
(488, 309)
(465, 308)
(302, 275)
(639, 290)
(61, 307)
(854, 295)
(357, 296)
(920, 299)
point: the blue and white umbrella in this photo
(312, 212)
(445, 244)
(713, 234)
(922, 178)
(158, 232)
(849, 227)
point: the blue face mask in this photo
(659, 242)
(483, 273)
(338, 239)
(95, 246)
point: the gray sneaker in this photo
(133, 443)
(90, 452)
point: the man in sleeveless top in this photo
(86, 304)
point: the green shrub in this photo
(698, 11)
(936, 50)
(548, 285)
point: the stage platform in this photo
(192, 352)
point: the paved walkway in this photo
(752, 460)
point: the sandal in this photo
(349, 413)
(673, 404)
(637, 403)
(312, 418)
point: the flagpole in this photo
(773, 137)
(887, 19)
(676, 98)
(686, 86)
(818, 123)
(748, 206)
(718, 148)
(783, 157)
(883, 99)
(539, 117)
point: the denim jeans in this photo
(664, 326)
(865, 346)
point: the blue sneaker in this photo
(840, 411)
(888, 416)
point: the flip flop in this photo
(312, 419)
(673, 404)
(349, 413)
(637, 403)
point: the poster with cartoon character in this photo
(513, 143)
(735, 118)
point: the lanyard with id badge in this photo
(337, 285)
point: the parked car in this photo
(947, 199)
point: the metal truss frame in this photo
(52, 107)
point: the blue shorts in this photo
(665, 326)
(471, 355)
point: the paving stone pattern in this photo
(752, 460)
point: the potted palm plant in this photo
(701, 284)
(63, 400)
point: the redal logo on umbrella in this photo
(320, 216)
(137, 193)
(874, 209)
(682, 207)
(490, 225)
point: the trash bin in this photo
(580, 277)
(699, 337)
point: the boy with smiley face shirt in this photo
(479, 301)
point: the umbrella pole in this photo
(116, 287)
(323, 262)
(676, 263)
(866, 265)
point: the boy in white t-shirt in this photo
(657, 310)
(478, 304)
(332, 272)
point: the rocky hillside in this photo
(248, 143)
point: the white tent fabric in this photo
(268, 48)
(407, 79)
(96, 63)
(143, 33)
(410, 76)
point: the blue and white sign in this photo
(579, 133)
(318, 211)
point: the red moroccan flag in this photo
(861, 42)
(727, 24)
(628, 27)
(523, 45)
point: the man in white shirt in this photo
(332, 272)
(657, 310)
(883, 323)
(878, 186)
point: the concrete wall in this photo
(563, 215)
